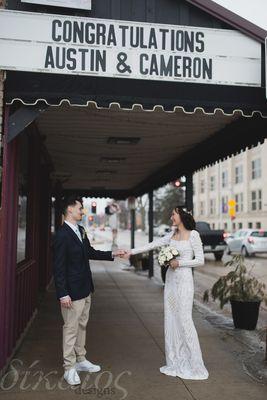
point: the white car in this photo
(248, 242)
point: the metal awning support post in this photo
(131, 207)
(132, 228)
(150, 232)
(189, 193)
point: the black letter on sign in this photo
(70, 57)
(56, 37)
(200, 48)
(49, 59)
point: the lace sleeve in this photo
(163, 241)
(197, 246)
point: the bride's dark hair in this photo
(186, 218)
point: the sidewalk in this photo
(125, 336)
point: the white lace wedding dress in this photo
(183, 353)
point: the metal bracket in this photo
(21, 118)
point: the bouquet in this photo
(167, 254)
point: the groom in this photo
(74, 286)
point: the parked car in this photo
(162, 230)
(248, 242)
(213, 240)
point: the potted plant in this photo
(242, 290)
(140, 261)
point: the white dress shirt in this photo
(75, 229)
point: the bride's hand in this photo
(174, 263)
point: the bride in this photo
(183, 353)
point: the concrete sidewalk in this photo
(125, 336)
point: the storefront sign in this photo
(120, 49)
(82, 4)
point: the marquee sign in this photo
(122, 49)
(81, 4)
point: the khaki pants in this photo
(74, 331)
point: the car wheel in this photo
(228, 251)
(244, 251)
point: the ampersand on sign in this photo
(122, 66)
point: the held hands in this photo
(174, 263)
(122, 253)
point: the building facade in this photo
(240, 178)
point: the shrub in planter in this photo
(140, 261)
(242, 290)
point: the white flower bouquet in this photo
(167, 254)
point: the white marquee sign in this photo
(122, 49)
(81, 4)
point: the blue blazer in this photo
(71, 267)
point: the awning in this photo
(53, 89)
(176, 128)
(88, 155)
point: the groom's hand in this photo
(66, 302)
(119, 253)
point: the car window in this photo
(238, 234)
(259, 234)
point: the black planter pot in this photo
(245, 314)
(145, 263)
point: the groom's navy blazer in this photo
(72, 273)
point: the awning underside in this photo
(80, 141)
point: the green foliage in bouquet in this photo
(237, 285)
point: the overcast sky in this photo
(253, 10)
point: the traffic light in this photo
(178, 183)
(93, 207)
(231, 208)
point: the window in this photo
(258, 225)
(240, 225)
(224, 179)
(256, 197)
(202, 186)
(239, 174)
(259, 234)
(212, 206)
(202, 209)
(250, 225)
(212, 183)
(234, 226)
(23, 197)
(224, 204)
(256, 168)
(225, 226)
(239, 199)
